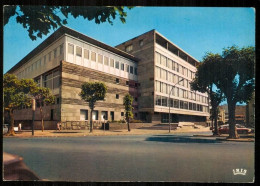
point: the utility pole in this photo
(33, 113)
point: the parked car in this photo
(224, 129)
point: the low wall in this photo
(118, 126)
(27, 124)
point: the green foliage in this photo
(128, 101)
(92, 92)
(16, 92)
(39, 20)
(43, 95)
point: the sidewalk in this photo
(98, 132)
(223, 137)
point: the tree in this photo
(39, 20)
(236, 79)
(92, 92)
(42, 97)
(204, 81)
(128, 101)
(16, 94)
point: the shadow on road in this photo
(180, 139)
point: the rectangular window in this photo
(48, 81)
(50, 56)
(105, 60)
(181, 93)
(157, 72)
(169, 64)
(117, 96)
(70, 48)
(194, 106)
(157, 58)
(141, 43)
(122, 113)
(86, 54)
(163, 60)
(176, 103)
(129, 48)
(180, 69)
(112, 63)
(158, 100)
(190, 106)
(157, 86)
(127, 68)
(171, 102)
(78, 51)
(44, 60)
(61, 49)
(164, 101)
(93, 56)
(83, 114)
(117, 80)
(185, 105)
(122, 66)
(100, 58)
(163, 74)
(135, 71)
(55, 52)
(176, 91)
(127, 83)
(131, 69)
(117, 64)
(181, 104)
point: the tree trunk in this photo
(42, 119)
(128, 124)
(215, 116)
(231, 114)
(91, 124)
(11, 127)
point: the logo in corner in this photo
(239, 172)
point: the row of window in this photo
(168, 76)
(93, 56)
(178, 92)
(41, 62)
(51, 80)
(172, 65)
(175, 103)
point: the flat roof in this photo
(65, 30)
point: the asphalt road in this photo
(173, 158)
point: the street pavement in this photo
(178, 157)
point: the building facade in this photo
(147, 67)
(166, 69)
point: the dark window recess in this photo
(122, 113)
(117, 80)
(58, 100)
(136, 99)
(52, 114)
(151, 78)
(117, 96)
(131, 69)
(137, 84)
(135, 115)
(152, 93)
(127, 82)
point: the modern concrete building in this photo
(161, 68)
(147, 67)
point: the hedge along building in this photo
(62, 63)
(162, 66)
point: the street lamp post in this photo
(170, 105)
(33, 112)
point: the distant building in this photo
(221, 116)
(240, 113)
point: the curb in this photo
(237, 140)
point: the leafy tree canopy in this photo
(39, 20)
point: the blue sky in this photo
(194, 29)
